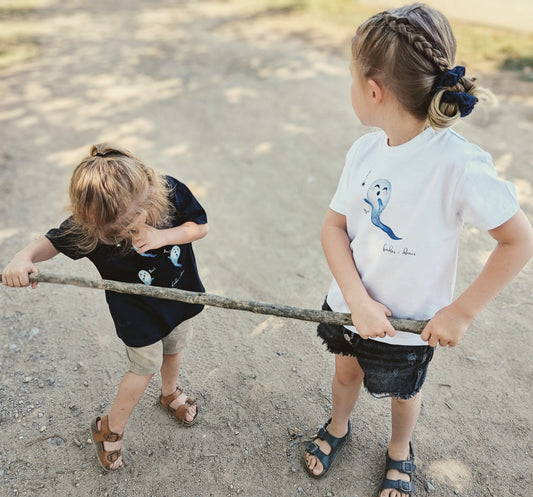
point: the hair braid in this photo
(403, 27)
(409, 49)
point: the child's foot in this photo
(399, 469)
(322, 451)
(107, 444)
(313, 463)
(182, 407)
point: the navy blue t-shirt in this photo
(140, 320)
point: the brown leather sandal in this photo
(105, 457)
(182, 410)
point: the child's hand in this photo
(370, 319)
(15, 274)
(447, 327)
(146, 237)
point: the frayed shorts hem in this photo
(397, 371)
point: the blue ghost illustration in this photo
(146, 254)
(145, 277)
(377, 197)
(175, 255)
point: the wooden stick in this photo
(283, 311)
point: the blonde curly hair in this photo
(110, 188)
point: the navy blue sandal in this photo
(336, 445)
(407, 467)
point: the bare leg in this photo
(130, 391)
(404, 415)
(345, 388)
(169, 379)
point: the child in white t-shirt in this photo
(392, 231)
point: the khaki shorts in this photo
(147, 360)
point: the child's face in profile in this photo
(358, 95)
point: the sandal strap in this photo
(323, 434)
(166, 400)
(110, 456)
(313, 449)
(406, 466)
(105, 434)
(181, 411)
(401, 485)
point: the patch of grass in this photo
(481, 48)
(17, 40)
(492, 48)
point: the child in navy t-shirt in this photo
(137, 227)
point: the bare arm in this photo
(513, 250)
(369, 317)
(149, 238)
(15, 274)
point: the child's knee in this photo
(350, 377)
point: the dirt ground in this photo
(253, 113)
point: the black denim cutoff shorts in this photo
(390, 370)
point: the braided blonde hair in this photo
(408, 49)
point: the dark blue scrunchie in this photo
(451, 77)
(465, 101)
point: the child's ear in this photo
(375, 89)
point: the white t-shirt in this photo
(405, 207)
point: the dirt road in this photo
(253, 113)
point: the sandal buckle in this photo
(404, 486)
(407, 467)
(112, 437)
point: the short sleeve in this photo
(64, 240)
(188, 209)
(338, 202)
(485, 201)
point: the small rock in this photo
(42, 428)
(430, 487)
